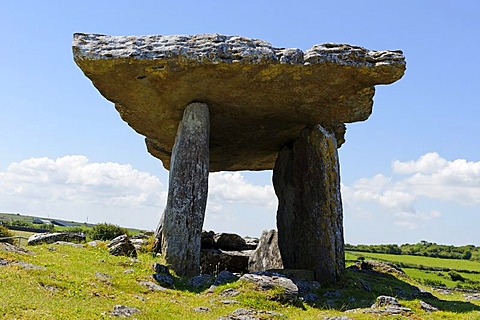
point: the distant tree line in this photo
(423, 248)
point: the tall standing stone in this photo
(187, 192)
(306, 178)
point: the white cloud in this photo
(428, 163)
(73, 188)
(232, 187)
(428, 177)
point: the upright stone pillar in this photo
(306, 178)
(182, 221)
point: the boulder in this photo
(201, 281)
(224, 277)
(267, 281)
(161, 269)
(164, 280)
(386, 305)
(250, 314)
(124, 311)
(121, 246)
(427, 307)
(267, 254)
(41, 238)
(208, 240)
(229, 242)
(215, 260)
(260, 96)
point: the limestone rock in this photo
(201, 281)
(182, 221)
(152, 286)
(214, 260)
(208, 240)
(250, 314)
(121, 246)
(386, 305)
(163, 279)
(384, 301)
(224, 277)
(4, 246)
(124, 311)
(260, 97)
(267, 254)
(306, 178)
(427, 307)
(267, 281)
(229, 242)
(41, 238)
(161, 269)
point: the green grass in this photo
(452, 264)
(85, 283)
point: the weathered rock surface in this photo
(201, 281)
(260, 97)
(124, 311)
(250, 314)
(427, 307)
(229, 242)
(306, 178)
(4, 246)
(182, 221)
(152, 286)
(21, 264)
(121, 246)
(215, 260)
(267, 281)
(267, 254)
(386, 305)
(224, 277)
(40, 238)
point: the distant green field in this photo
(416, 267)
(454, 264)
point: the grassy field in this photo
(453, 264)
(431, 271)
(87, 282)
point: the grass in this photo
(86, 283)
(451, 264)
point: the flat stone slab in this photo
(260, 97)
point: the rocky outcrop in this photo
(41, 238)
(267, 254)
(121, 246)
(260, 97)
(267, 281)
(225, 252)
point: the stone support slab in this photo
(306, 178)
(181, 226)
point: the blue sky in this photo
(410, 172)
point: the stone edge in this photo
(216, 48)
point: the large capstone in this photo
(260, 97)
